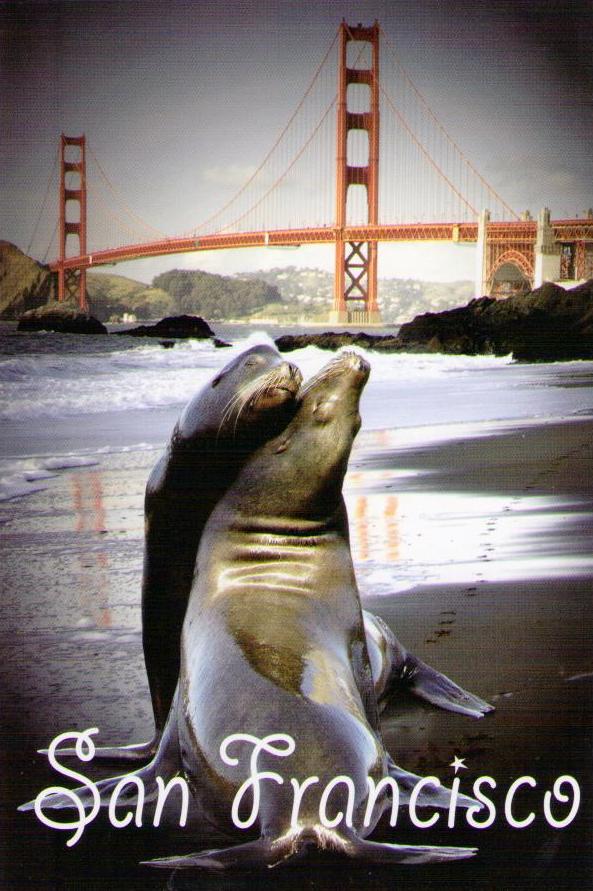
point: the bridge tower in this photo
(355, 282)
(72, 282)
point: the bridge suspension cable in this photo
(436, 143)
(283, 175)
(268, 199)
(52, 241)
(121, 201)
(426, 154)
(211, 219)
(51, 182)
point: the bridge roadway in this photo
(462, 233)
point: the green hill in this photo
(113, 295)
(216, 297)
(180, 291)
(309, 293)
(24, 283)
(287, 294)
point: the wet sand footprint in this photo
(442, 631)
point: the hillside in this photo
(286, 294)
(24, 283)
(309, 292)
(216, 297)
(178, 292)
(113, 295)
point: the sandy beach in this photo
(496, 592)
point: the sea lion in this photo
(250, 400)
(273, 644)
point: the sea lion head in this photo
(300, 472)
(331, 398)
(252, 397)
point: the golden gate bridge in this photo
(362, 160)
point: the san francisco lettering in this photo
(560, 805)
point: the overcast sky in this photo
(167, 91)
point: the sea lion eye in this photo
(253, 361)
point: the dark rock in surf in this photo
(64, 318)
(330, 340)
(549, 324)
(173, 326)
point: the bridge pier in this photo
(481, 275)
(547, 251)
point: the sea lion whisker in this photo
(327, 374)
(246, 397)
(239, 399)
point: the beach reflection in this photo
(106, 528)
(90, 516)
(423, 535)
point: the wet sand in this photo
(508, 616)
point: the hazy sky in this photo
(168, 91)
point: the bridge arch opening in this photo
(510, 279)
(72, 179)
(73, 212)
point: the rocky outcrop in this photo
(65, 318)
(173, 327)
(24, 283)
(330, 340)
(549, 324)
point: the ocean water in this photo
(67, 400)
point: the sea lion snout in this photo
(290, 377)
(280, 385)
(355, 362)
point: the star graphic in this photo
(457, 763)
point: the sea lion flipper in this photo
(393, 667)
(383, 852)
(165, 764)
(132, 753)
(84, 795)
(270, 853)
(251, 855)
(431, 794)
(433, 686)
